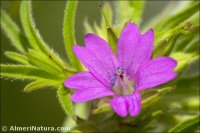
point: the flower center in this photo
(121, 84)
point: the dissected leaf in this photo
(20, 58)
(172, 8)
(69, 33)
(179, 17)
(38, 84)
(64, 98)
(44, 62)
(26, 72)
(12, 31)
(186, 42)
(165, 41)
(28, 25)
(33, 35)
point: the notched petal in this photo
(119, 106)
(155, 72)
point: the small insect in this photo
(50, 57)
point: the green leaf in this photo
(187, 42)
(179, 17)
(179, 6)
(26, 72)
(69, 33)
(20, 58)
(165, 41)
(153, 98)
(187, 126)
(130, 10)
(82, 110)
(99, 31)
(70, 123)
(28, 25)
(112, 39)
(193, 45)
(64, 98)
(172, 8)
(148, 117)
(88, 27)
(138, 11)
(33, 35)
(44, 62)
(13, 32)
(106, 17)
(184, 59)
(38, 84)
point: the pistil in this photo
(121, 84)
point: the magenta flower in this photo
(121, 77)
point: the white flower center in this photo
(121, 84)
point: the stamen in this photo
(119, 72)
(121, 84)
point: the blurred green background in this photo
(41, 107)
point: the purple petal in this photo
(123, 105)
(87, 87)
(98, 58)
(134, 48)
(155, 72)
(134, 104)
(127, 44)
(82, 80)
(87, 94)
(143, 51)
(119, 106)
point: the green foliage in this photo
(65, 101)
(130, 11)
(33, 35)
(28, 25)
(177, 36)
(40, 83)
(35, 61)
(184, 59)
(13, 32)
(69, 33)
(20, 58)
(41, 60)
(112, 39)
(189, 125)
(107, 17)
(165, 41)
(166, 108)
(179, 17)
(149, 98)
(26, 72)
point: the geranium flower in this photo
(122, 76)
